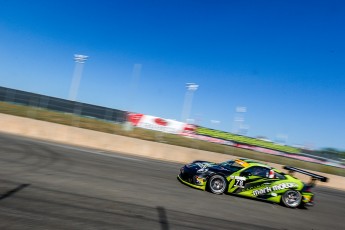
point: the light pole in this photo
(239, 119)
(127, 126)
(134, 85)
(187, 106)
(78, 70)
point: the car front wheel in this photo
(292, 198)
(217, 184)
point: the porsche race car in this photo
(252, 179)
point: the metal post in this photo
(78, 70)
(239, 120)
(191, 88)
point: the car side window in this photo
(279, 176)
(257, 171)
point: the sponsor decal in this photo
(262, 191)
(199, 180)
(189, 129)
(134, 118)
(274, 188)
(203, 165)
(238, 177)
(156, 123)
(284, 186)
(160, 121)
(239, 181)
(307, 198)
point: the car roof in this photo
(248, 163)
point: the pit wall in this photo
(126, 145)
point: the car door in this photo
(248, 179)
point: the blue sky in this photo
(283, 60)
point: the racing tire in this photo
(292, 199)
(217, 184)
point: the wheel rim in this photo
(217, 185)
(292, 198)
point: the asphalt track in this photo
(52, 186)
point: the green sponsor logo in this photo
(274, 188)
(245, 140)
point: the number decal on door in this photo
(239, 183)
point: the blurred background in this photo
(267, 76)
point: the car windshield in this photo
(231, 165)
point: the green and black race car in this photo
(251, 179)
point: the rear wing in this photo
(312, 175)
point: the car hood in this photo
(200, 166)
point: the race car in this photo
(252, 179)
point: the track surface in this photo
(50, 186)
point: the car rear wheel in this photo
(292, 198)
(217, 184)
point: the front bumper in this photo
(192, 180)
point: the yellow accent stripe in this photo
(243, 163)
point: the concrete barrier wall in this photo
(115, 143)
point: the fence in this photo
(61, 105)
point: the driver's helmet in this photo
(271, 174)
